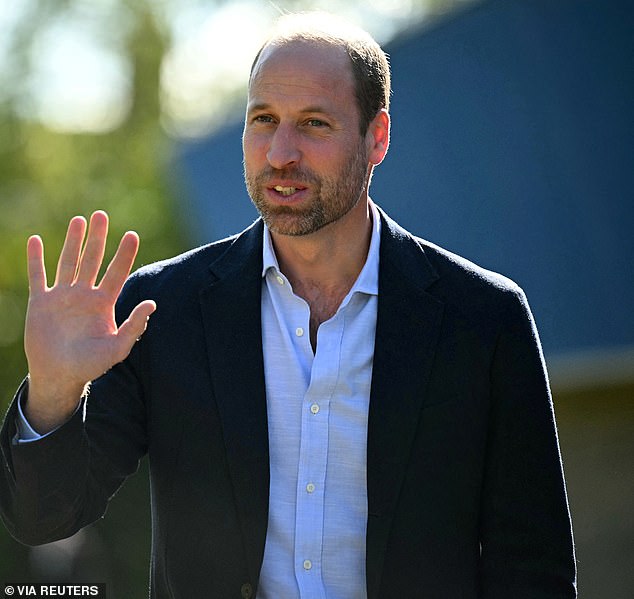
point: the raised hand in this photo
(71, 336)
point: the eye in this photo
(316, 123)
(263, 118)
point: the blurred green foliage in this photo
(46, 177)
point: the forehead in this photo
(300, 69)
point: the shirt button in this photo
(307, 564)
(310, 487)
(279, 279)
(299, 331)
(314, 408)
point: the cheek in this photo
(253, 147)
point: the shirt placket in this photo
(313, 460)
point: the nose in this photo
(283, 150)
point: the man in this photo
(331, 406)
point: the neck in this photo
(323, 266)
(330, 257)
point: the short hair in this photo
(369, 63)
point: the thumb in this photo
(135, 325)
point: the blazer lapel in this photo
(408, 325)
(231, 314)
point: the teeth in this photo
(285, 191)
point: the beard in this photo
(331, 197)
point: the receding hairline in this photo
(316, 27)
(271, 48)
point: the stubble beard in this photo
(331, 197)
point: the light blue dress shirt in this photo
(318, 418)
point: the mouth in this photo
(286, 191)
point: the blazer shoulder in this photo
(199, 265)
(438, 269)
(484, 298)
(176, 283)
(457, 270)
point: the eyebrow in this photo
(316, 109)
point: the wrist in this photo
(47, 406)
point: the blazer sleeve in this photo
(52, 487)
(526, 536)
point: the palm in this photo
(79, 323)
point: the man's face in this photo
(305, 162)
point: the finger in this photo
(120, 265)
(35, 264)
(130, 331)
(92, 256)
(69, 256)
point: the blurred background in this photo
(512, 144)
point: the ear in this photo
(378, 137)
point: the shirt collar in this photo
(368, 279)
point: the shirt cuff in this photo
(25, 432)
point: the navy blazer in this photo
(466, 495)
